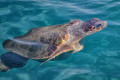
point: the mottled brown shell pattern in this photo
(38, 43)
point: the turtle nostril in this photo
(98, 25)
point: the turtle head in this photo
(93, 25)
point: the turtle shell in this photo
(38, 43)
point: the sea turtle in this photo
(51, 41)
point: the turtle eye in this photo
(98, 25)
(93, 27)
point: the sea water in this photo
(100, 58)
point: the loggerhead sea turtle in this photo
(51, 41)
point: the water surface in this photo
(100, 58)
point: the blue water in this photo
(100, 58)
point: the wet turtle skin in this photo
(38, 43)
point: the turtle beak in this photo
(104, 24)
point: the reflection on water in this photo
(99, 60)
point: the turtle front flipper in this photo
(64, 48)
(63, 56)
(77, 46)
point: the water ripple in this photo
(99, 60)
(67, 73)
